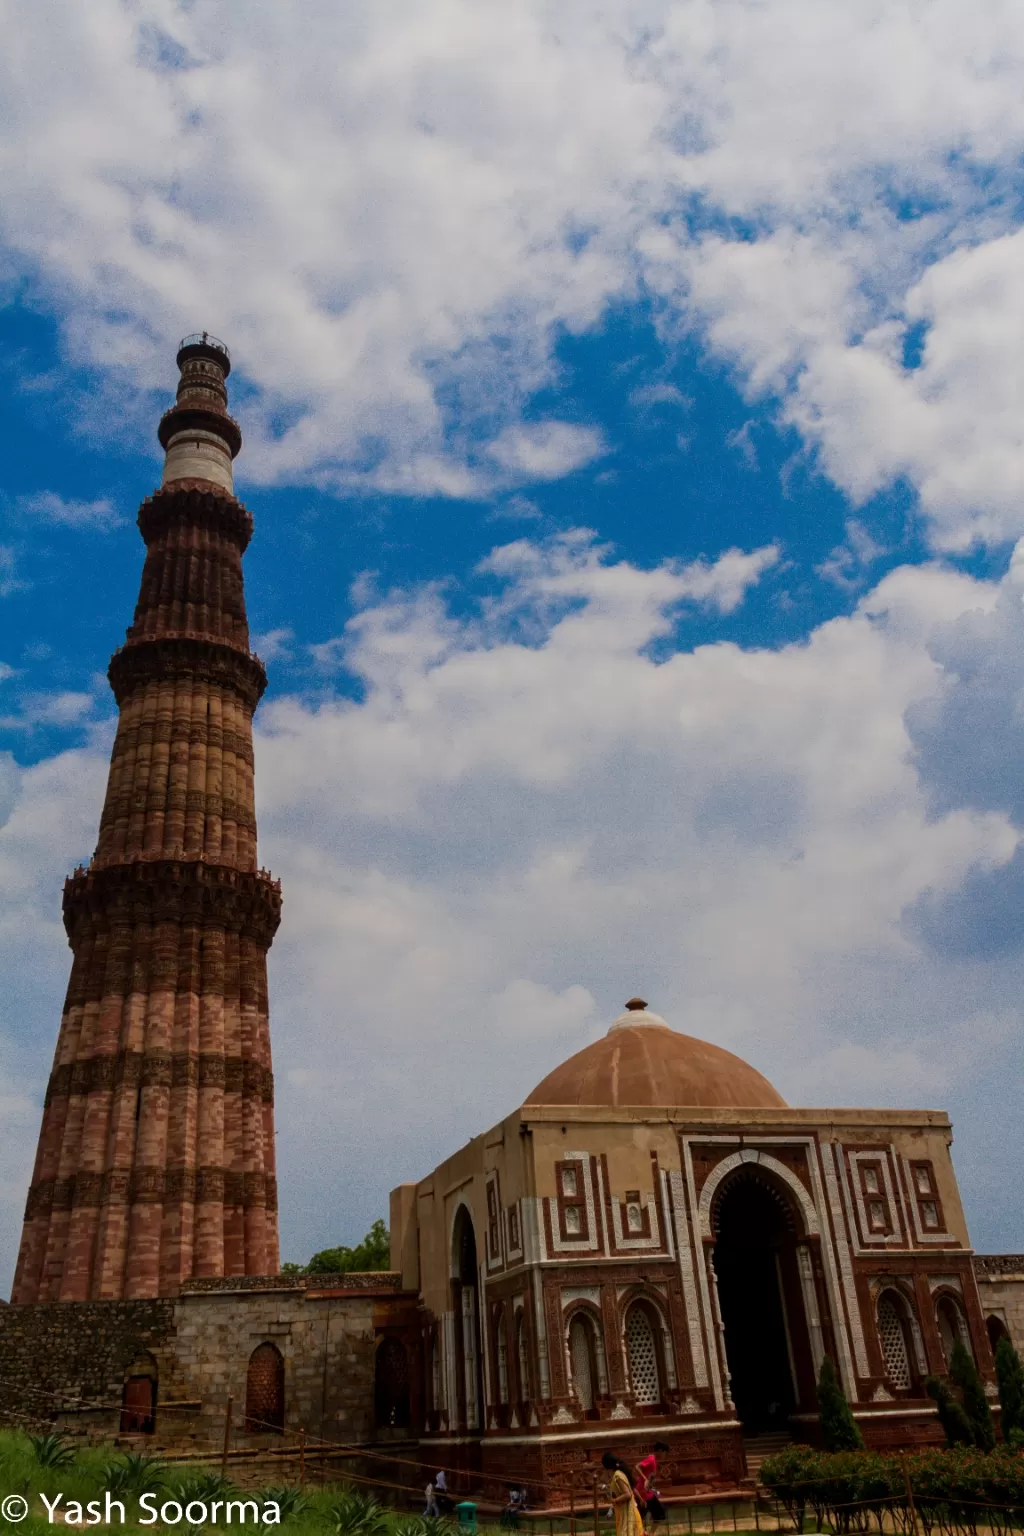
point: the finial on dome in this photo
(637, 1015)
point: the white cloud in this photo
(273, 644)
(48, 820)
(847, 565)
(442, 190)
(526, 807)
(49, 507)
(530, 814)
(9, 580)
(59, 707)
(545, 450)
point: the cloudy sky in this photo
(633, 398)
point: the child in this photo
(646, 1472)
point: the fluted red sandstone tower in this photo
(156, 1154)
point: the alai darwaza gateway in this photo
(656, 1246)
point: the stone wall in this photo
(67, 1361)
(70, 1358)
(327, 1341)
(1000, 1279)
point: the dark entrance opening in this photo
(138, 1401)
(264, 1391)
(391, 1385)
(469, 1379)
(766, 1340)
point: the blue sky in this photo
(632, 405)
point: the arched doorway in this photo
(952, 1327)
(760, 1294)
(522, 1363)
(264, 1391)
(585, 1378)
(138, 1400)
(391, 1385)
(466, 1307)
(996, 1330)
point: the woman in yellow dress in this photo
(627, 1516)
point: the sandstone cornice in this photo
(180, 654)
(173, 891)
(197, 503)
(152, 1185)
(137, 1069)
(200, 417)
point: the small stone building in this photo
(335, 1355)
(656, 1246)
(1000, 1279)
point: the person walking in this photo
(431, 1512)
(646, 1472)
(627, 1516)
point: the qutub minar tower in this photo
(156, 1153)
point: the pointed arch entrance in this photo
(466, 1310)
(767, 1297)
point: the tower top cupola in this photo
(198, 436)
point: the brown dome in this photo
(640, 1061)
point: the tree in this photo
(839, 1430)
(373, 1253)
(956, 1426)
(1010, 1375)
(963, 1373)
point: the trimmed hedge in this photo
(855, 1490)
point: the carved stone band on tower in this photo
(156, 1153)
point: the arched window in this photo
(996, 1330)
(435, 1371)
(952, 1326)
(264, 1391)
(391, 1385)
(468, 1379)
(522, 1358)
(582, 1362)
(501, 1353)
(138, 1401)
(893, 1339)
(642, 1354)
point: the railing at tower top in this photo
(204, 339)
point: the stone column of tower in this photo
(156, 1154)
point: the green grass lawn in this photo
(39, 1468)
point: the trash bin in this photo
(466, 1515)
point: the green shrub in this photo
(131, 1475)
(839, 1430)
(52, 1451)
(850, 1490)
(963, 1373)
(202, 1486)
(292, 1502)
(956, 1426)
(1010, 1375)
(358, 1514)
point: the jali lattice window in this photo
(893, 1342)
(502, 1353)
(643, 1357)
